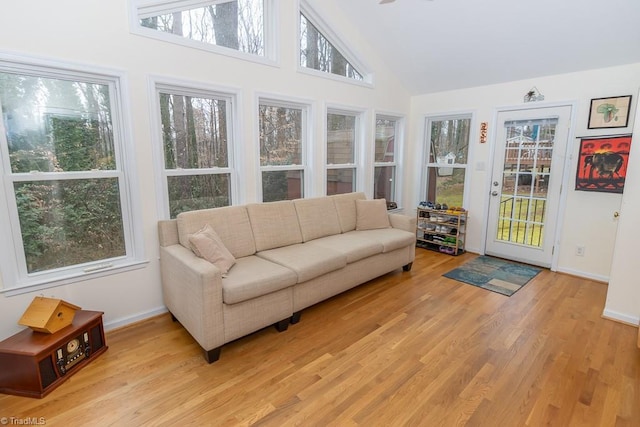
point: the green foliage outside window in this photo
(69, 222)
(62, 129)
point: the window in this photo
(197, 132)
(235, 25)
(342, 134)
(316, 52)
(67, 188)
(283, 131)
(322, 52)
(385, 158)
(447, 148)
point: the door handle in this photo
(494, 193)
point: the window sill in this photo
(66, 280)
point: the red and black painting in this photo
(602, 163)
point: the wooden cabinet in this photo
(34, 363)
(441, 230)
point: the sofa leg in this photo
(407, 267)
(282, 325)
(212, 355)
(296, 317)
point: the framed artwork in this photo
(602, 163)
(609, 112)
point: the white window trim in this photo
(359, 147)
(159, 84)
(398, 149)
(15, 280)
(426, 148)
(326, 30)
(307, 107)
(144, 8)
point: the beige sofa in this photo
(288, 255)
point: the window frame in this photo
(425, 165)
(397, 150)
(180, 87)
(325, 29)
(15, 277)
(143, 7)
(307, 108)
(358, 144)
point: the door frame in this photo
(566, 173)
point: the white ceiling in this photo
(437, 45)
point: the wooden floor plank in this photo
(409, 348)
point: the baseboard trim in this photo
(627, 319)
(126, 321)
(584, 275)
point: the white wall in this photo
(623, 295)
(97, 34)
(588, 219)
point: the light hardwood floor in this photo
(406, 349)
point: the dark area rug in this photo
(494, 274)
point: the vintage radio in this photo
(34, 363)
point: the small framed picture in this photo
(610, 112)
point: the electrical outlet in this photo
(580, 250)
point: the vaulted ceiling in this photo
(438, 45)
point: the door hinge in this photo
(553, 249)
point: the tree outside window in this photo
(341, 153)
(195, 138)
(385, 159)
(448, 145)
(237, 25)
(318, 53)
(282, 134)
(68, 188)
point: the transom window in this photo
(196, 129)
(446, 163)
(318, 53)
(283, 135)
(67, 190)
(342, 137)
(238, 25)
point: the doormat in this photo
(494, 274)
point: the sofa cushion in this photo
(390, 238)
(352, 244)
(317, 217)
(346, 208)
(253, 277)
(274, 224)
(206, 244)
(372, 214)
(306, 260)
(231, 223)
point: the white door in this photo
(526, 180)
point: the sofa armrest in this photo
(403, 222)
(192, 291)
(168, 232)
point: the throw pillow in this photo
(371, 214)
(207, 244)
